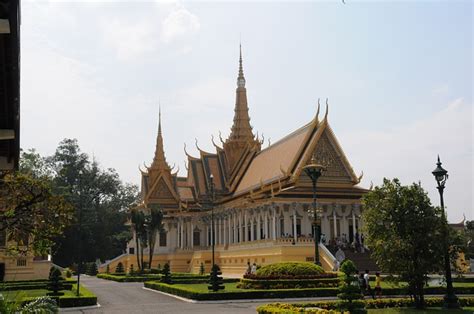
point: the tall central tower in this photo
(241, 136)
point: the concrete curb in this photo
(239, 300)
(80, 308)
(276, 300)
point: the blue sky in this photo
(398, 76)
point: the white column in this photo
(265, 224)
(234, 238)
(259, 227)
(191, 233)
(274, 224)
(335, 221)
(246, 226)
(241, 231)
(353, 224)
(229, 234)
(252, 222)
(294, 224)
(182, 234)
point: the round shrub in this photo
(290, 269)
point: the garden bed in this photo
(182, 278)
(369, 304)
(288, 283)
(33, 284)
(69, 299)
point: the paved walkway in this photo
(129, 297)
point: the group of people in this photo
(251, 269)
(363, 280)
(357, 244)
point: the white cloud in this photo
(178, 23)
(130, 39)
(409, 153)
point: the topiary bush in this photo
(201, 269)
(91, 269)
(107, 269)
(216, 282)
(290, 270)
(166, 278)
(119, 269)
(349, 291)
(55, 282)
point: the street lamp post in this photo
(314, 171)
(211, 177)
(450, 299)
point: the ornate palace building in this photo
(261, 198)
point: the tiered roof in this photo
(241, 170)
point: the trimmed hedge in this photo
(87, 298)
(369, 303)
(182, 278)
(32, 285)
(291, 276)
(244, 294)
(281, 293)
(288, 283)
(294, 269)
(123, 278)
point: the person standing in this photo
(378, 287)
(249, 269)
(367, 284)
(254, 269)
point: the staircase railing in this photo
(327, 258)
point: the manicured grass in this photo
(202, 287)
(69, 299)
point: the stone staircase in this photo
(362, 260)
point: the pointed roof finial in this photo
(241, 78)
(159, 161)
(159, 117)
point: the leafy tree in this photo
(139, 228)
(153, 226)
(349, 290)
(99, 198)
(405, 233)
(469, 230)
(32, 211)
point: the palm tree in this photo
(138, 225)
(154, 225)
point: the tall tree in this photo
(138, 225)
(404, 232)
(98, 196)
(154, 226)
(31, 211)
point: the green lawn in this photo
(42, 292)
(414, 311)
(202, 287)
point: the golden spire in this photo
(241, 129)
(159, 161)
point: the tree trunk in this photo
(137, 250)
(151, 243)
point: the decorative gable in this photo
(162, 192)
(330, 155)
